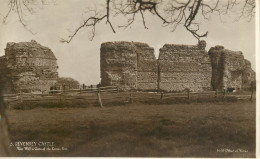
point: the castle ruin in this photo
(184, 66)
(230, 69)
(28, 67)
(31, 67)
(248, 76)
(132, 65)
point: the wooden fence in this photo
(113, 93)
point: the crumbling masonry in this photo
(230, 69)
(184, 66)
(31, 67)
(132, 65)
(28, 67)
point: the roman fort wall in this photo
(133, 65)
(130, 65)
(248, 76)
(184, 67)
(230, 69)
(147, 69)
(30, 67)
(118, 63)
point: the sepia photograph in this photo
(128, 78)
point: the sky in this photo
(80, 59)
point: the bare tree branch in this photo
(21, 7)
(172, 13)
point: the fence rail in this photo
(112, 93)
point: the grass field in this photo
(139, 130)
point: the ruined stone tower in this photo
(29, 66)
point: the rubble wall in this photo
(130, 65)
(146, 67)
(248, 76)
(184, 67)
(118, 64)
(229, 69)
(32, 67)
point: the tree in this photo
(172, 13)
(22, 7)
(4, 138)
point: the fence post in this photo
(63, 88)
(161, 96)
(251, 98)
(216, 94)
(99, 98)
(42, 93)
(117, 89)
(131, 96)
(21, 97)
(60, 97)
(188, 92)
(224, 93)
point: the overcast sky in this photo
(80, 59)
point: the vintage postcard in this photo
(128, 78)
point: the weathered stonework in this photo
(31, 67)
(130, 65)
(229, 69)
(133, 65)
(146, 67)
(248, 76)
(184, 67)
(118, 64)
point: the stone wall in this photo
(31, 66)
(248, 76)
(133, 65)
(147, 69)
(118, 62)
(184, 67)
(130, 65)
(230, 69)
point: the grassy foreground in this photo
(140, 130)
